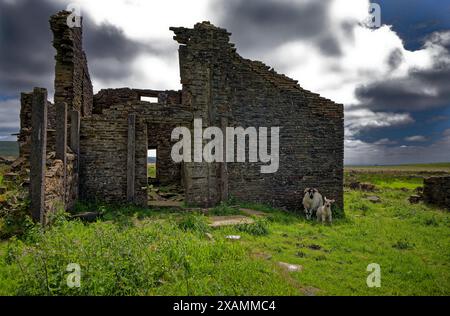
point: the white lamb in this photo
(312, 200)
(324, 212)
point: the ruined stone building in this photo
(89, 146)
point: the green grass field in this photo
(134, 251)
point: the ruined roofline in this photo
(184, 36)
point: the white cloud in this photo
(385, 141)
(416, 138)
(359, 119)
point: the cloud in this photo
(26, 55)
(358, 120)
(416, 138)
(438, 118)
(358, 152)
(25, 46)
(420, 88)
(385, 141)
(260, 24)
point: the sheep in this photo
(312, 200)
(324, 211)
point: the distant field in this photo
(9, 149)
(151, 170)
(429, 167)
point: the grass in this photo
(427, 167)
(133, 251)
(151, 170)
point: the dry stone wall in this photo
(436, 191)
(72, 80)
(103, 146)
(219, 85)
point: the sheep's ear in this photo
(306, 190)
(325, 198)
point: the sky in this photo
(393, 79)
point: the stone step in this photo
(166, 204)
(251, 212)
(219, 221)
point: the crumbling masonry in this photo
(94, 147)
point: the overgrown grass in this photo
(134, 251)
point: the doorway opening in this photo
(152, 173)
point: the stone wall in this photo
(103, 149)
(219, 85)
(436, 191)
(24, 137)
(106, 98)
(72, 80)
(55, 196)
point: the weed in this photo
(258, 228)
(194, 222)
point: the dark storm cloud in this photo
(27, 54)
(395, 59)
(257, 24)
(421, 89)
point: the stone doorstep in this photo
(219, 221)
(166, 204)
(251, 212)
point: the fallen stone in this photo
(369, 187)
(6, 161)
(354, 185)
(262, 255)
(155, 196)
(373, 199)
(251, 212)
(209, 236)
(87, 216)
(290, 267)
(219, 221)
(233, 237)
(414, 199)
(314, 247)
(310, 291)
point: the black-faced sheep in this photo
(312, 200)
